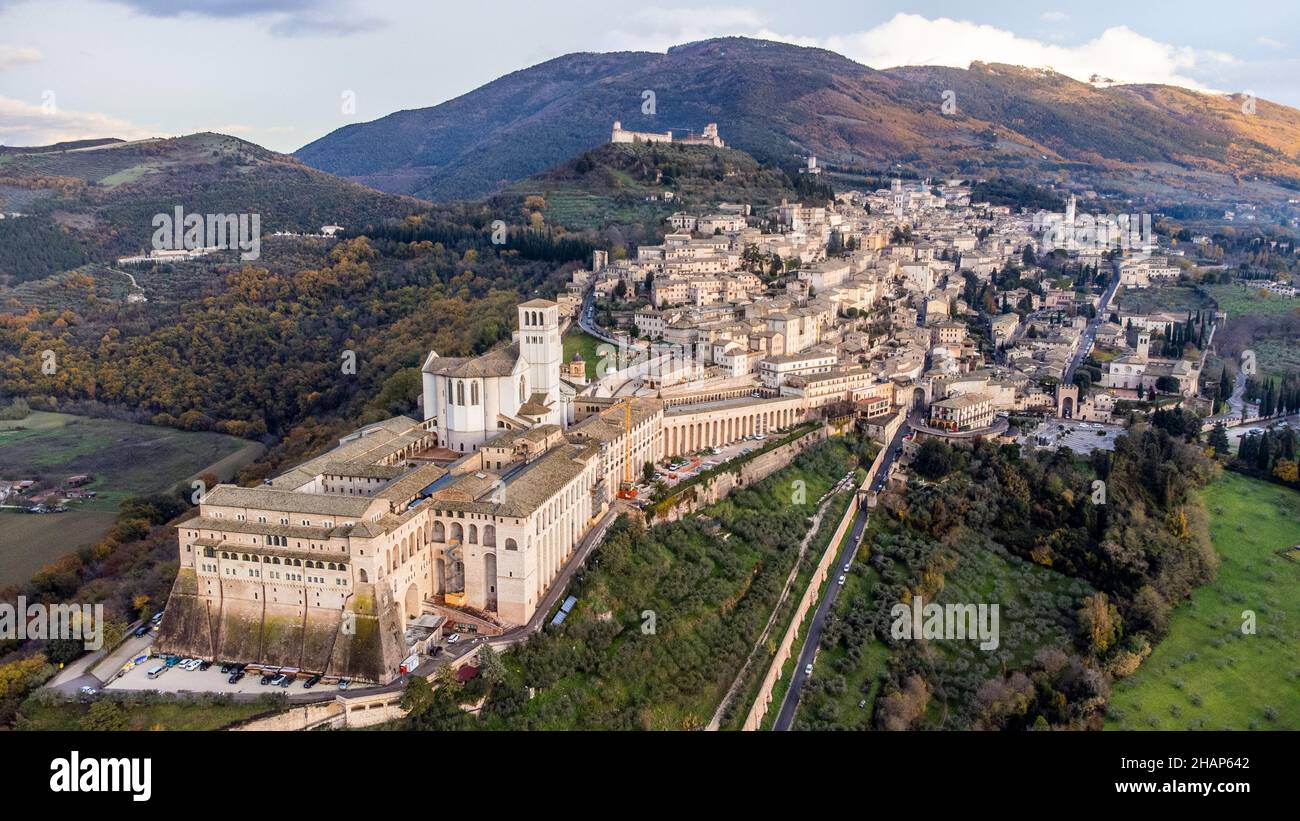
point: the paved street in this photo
(813, 636)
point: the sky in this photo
(282, 73)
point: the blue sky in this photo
(278, 72)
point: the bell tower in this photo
(540, 345)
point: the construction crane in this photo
(627, 490)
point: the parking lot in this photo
(708, 461)
(1080, 437)
(176, 680)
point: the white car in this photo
(453, 638)
(846, 566)
(807, 669)
(841, 579)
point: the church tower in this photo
(540, 345)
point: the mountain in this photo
(102, 195)
(780, 102)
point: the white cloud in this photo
(11, 56)
(22, 123)
(1118, 53)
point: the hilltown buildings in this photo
(738, 324)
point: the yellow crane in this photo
(627, 490)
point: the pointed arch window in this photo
(473, 393)
(460, 393)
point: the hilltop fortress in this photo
(708, 137)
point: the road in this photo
(813, 638)
(1090, 333)
(587, 318)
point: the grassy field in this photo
(1036, 611)
(1208, 674)
(34, 715)
(1276, 357)
(28, 543)
(124, 458)
(1171, 298)
(577, 340)
(1239, 299)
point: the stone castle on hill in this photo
(708, 137)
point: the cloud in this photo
(23, 123)
(288, 18)
(1118, 53)
(11, 56)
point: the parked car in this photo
(285, 681)
(141, 630)
(841, 578)
(846, 566)
(205, 664)
(807, 669)
(172, 661)
(311, 682)
(267, 679)
(226, 668)
(235, 677)
(345, 683)
(87, 690)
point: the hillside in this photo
(779, 102)
(96, 200)
(625, 184)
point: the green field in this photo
(1208, 674)
(1276, 356)
(1172, 298)
(1238, 299)
(125, 459)
(577, 340)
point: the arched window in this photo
(523, 389)
(362, 576)
(511, 544)
(457, 532)
(473, 393)
(439, 532)
(460, 393)
(473, 534)
(489, 536)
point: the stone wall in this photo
(363, 642)
(724, 480)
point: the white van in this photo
(156, 671)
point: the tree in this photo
(1218, 440)
(104, 715)
(490, 666)
(418, 696)
(1100, 622)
